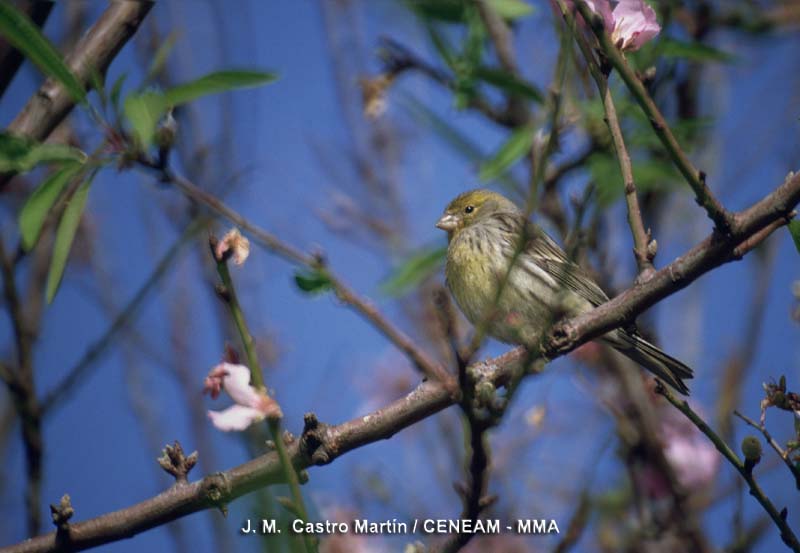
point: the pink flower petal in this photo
(635, 24)
(234, 244)
(235, 418)
(213, 382)
(237, 383)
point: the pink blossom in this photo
(634, 24)
(631, 23)
(251, 405)
(233, 244)
(693, 457)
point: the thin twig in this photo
(713, 251)
(641, 237)
(694, 177)
(76, 373)
(366, 309)
(783, 454)
(400, 59)
(23, 392)
(779, 518)
(257, 380)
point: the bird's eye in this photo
(469, 209)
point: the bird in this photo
(485, 232)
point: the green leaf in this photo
(116, 89)
(97, 80)
(419, 266)
(692, 51)
(65, 235)
(648, 174)
(517, 145)
(509, 83)
(313, 282)
(451, 11)
(476, 38)
(214, 83)
(455, 11)
(19, 154)
(441, 44)
(161, 56)
(794, 230)
(143, 111)
(34, 213)
(26, 37)
(511, 9)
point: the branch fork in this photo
(177, 464)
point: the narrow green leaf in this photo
(65, 235)
(312, 282)
(794, 230)
(19, 154)
(419, 266)
(161, 56)
(98, 81)
(509, 83)
(116, 90)
(517, 145)
(441, 44)
(143, 112)
(26, 37)
(34, 213)
(214, 83)
(511, 9)
(475, 40)
(451, 11)
(693, 51)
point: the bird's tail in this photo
(665, 367)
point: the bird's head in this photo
(473, 207)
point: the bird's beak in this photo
(448, 222)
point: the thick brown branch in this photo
(52, 102)
(712, 252)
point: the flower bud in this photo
(751, 448)
(485, 392)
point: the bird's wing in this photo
(549, 255)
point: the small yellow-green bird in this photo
(484, 231)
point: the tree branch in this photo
(22, 387)
(421, 360)
(696, 178)
(779, 519)
(76, 373)
(52, 103)
(773, 211)
(773, 443)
